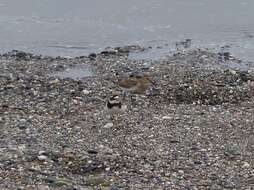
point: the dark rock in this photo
(92, 56)
(19, 55)
(92, 152)
(197, 162)
(114, 188)
(232, 151)
(226, 55)
(23, 125)
(57, 182)
(130, 49)
(245, 76)
(109, 51)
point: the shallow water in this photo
(71, 28)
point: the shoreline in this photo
(195, 133)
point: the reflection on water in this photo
(70, 28)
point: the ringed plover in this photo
(135, 84)
(114, 106)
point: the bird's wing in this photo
(128, 83)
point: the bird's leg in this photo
(111, 117)
(108, 116)
(133, 99)
(114, 121)
(124, 95)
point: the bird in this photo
(138, 84)
(114, 106)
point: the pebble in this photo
(86, 92)
(92, 151)
(42, 157)
(54, 81)
(75, 101)
(166, 117)
(114, 188)
(22, 124)
(233, 72)
(42, 187)
(108, 125)
(246, 165)
(41, 152)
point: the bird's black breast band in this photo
(111, 105)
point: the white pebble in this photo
(41, 152)
(166, 117)
(108, 125)
(246, 165)
(42, 157)
(86, 92)
(75, 101)
(54, 81)
(233, 72)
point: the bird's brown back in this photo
(128, 83)
(143, 85)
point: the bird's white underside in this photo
(115, 110)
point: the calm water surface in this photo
(78, 27)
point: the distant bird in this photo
(114, 106)
(135, 84)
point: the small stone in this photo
(22, 125)
(20, 188)
(197, 162)
(21, 148)
(246, 165)
(96, 181)
(92, 56)
(42, 152)
(42, 157)
(75, 101)
(42, 187)
(92, 151)
(233, 72)
(86, 92)
(108, 125)
(114, 188)
(54, 81)
(215, 187)
(58, 182)
(166, 117)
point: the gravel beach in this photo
(194, 131)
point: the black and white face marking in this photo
(114, 102)
(114, 98)
(114, 105)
